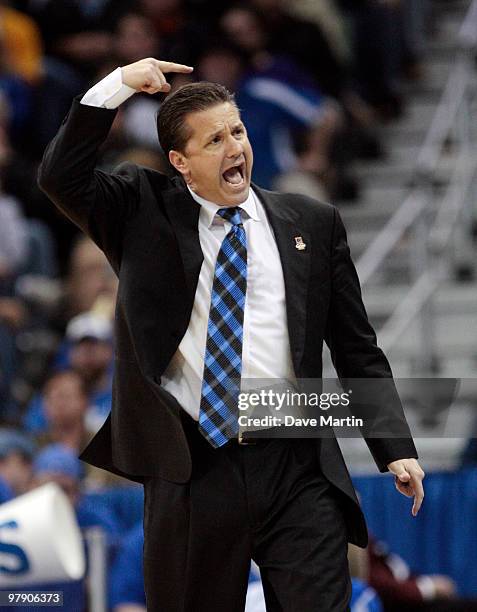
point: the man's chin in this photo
(236, 196)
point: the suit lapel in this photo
(183, 213)
(287, 226)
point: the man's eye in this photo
(239, 131)
(215, 140)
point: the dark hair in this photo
(172, 129)
(58, 374)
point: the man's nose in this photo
(234, 147)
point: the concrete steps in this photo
(451, 298)
(385, 185)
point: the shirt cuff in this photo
(426, 587)
(110, 92)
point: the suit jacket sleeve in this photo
(97, 202)
(355, 355)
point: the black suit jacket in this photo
(147, 225)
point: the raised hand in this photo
(148, 74)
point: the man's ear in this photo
(180, 163)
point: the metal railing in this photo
(96, 579)
(439, 228)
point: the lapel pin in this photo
(299, 244)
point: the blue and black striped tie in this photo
(218, 420)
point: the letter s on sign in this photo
(23, 565)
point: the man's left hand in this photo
(408, 477)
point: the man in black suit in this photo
(203, 256)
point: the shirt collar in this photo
(209, 210)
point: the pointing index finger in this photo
(173, 67)
(418, 493)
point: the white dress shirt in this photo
(110, 92)
(266, 346)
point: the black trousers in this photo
(268, 502)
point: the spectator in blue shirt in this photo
(16, 455)
(58, 463)
(89, 353)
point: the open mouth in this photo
(235, 175)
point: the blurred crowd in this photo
(313, 79)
